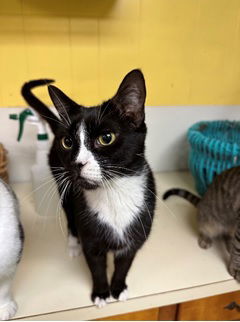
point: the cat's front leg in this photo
(8, 306)
(234, 264)
(97, 262)
(122, 264)
(74, 246)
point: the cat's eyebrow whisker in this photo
(108, 114)
(98, 110)
(101, 114)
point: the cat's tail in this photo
(37, 104)
(182, 193)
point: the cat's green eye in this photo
(67, 142)
(106, 139)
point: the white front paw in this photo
(100, 302)
(123, 296)
(8, 310)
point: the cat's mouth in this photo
(85, 183)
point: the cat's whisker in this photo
(114, 172)
(58, 216)
(148, 211)
(117, 167)
(58, 208)
(38, 187)
(102, 112)
(66, 183)
(140, 220)
(98, 114)
(138, 217)
(48, 193)
(144, 201)
(51, 194)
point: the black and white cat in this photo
(97, 159)
(11, 244)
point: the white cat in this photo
(11, 244)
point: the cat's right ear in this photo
(62, 103)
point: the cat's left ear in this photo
(62, 102)
(131, 95)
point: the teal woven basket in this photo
(214, 147)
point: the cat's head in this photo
(94, 144)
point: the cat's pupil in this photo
(68, 142)
(107, 138)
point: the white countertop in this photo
(170, 268)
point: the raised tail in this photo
(37, 104)
(182, 193)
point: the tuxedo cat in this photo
(11, 243)
(106, 184)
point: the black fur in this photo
(123, 115)
(22, 237)
(38, 105)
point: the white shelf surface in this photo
(170, 267)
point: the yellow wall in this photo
(189, 50)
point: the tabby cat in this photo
(219, 214)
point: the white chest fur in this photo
(119, 202)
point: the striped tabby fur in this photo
(182, 193)
(219, 214)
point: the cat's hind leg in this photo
(8, 306)
(234, 263)
(204, 241)
(209, 229)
